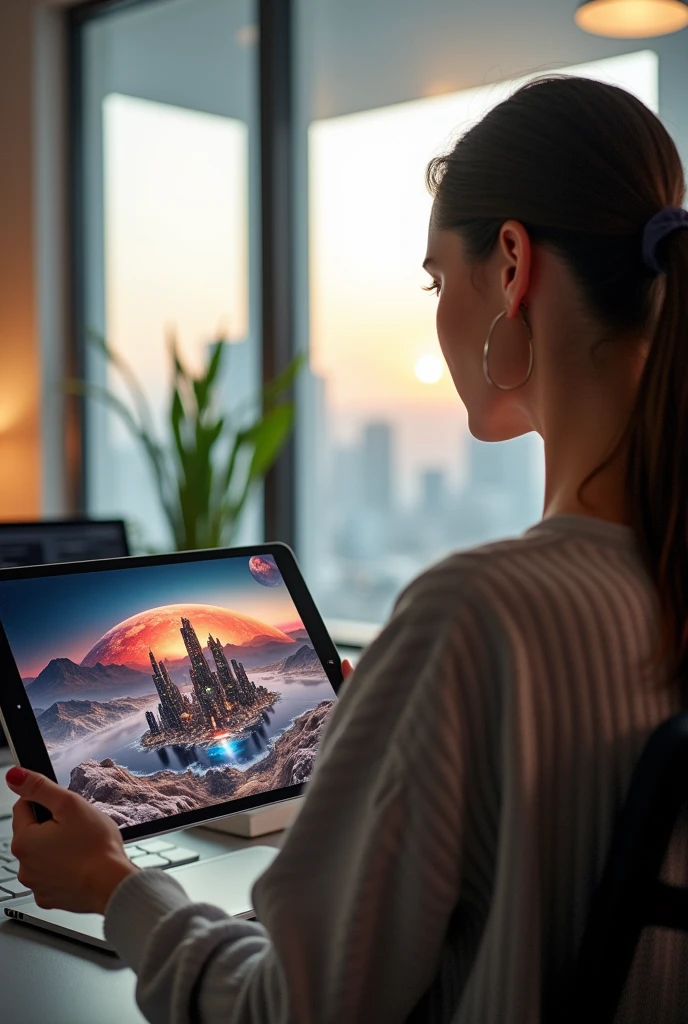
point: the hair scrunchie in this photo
(668, 220)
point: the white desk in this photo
(45, 979)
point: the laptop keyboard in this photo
(148, 853)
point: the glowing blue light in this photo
(223, 751)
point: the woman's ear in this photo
(516, 249)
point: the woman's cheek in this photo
(443, 327)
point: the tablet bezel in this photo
(20, 723)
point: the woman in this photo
(443, 863)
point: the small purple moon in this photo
(264, 569)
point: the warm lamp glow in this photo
(632, 19)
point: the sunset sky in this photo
(64, 616)
(371, 323)
(370, 320)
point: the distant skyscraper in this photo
(152, 723)
(209, 694)
(433, 491)
(346, 464)
(505, 470)
(377, 466)
(314, 454)
(246, 687)
(224, 672)
(171, 701)
(488, 464)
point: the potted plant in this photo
(209, 463)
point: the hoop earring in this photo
(486, 353)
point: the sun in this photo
(429, 369)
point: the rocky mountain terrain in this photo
(62, 678)
(304, 662)
(298, 634)
(258, 652)
(66, 721)
(131, 799)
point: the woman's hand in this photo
(76, 860)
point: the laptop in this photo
(225, 881)
(170, 691)
(61, 540)
(58, 540)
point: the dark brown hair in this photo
(583, 166)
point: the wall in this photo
(33, 259)
(20, 422)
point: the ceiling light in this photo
(632, 19)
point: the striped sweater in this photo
(442, 866)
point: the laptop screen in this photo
(61, 541)
(166, 688)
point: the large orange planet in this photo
(157, 630)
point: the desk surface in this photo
(44, 978)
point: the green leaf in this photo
(176, 420)
(201, 500)
(271, 391)
(269, 438)
(206, 438)
(181, 374)
(275, 388)
(203, 385)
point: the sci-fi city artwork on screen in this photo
(169, 688)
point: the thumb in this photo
(35, 787)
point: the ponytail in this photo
(657, 466)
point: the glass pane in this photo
(171, 235)
(390, 478)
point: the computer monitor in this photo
(60, 540)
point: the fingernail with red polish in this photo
(16, 776)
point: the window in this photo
(175, 205)
(170, 244)
(393, 480)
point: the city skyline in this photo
(381, 534)
(223, 698)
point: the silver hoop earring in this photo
(486, 353)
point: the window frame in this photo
(277, 147)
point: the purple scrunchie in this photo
(664, 223)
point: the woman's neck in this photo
(584, 422)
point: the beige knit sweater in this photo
(443, 863)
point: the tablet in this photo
(167, 690)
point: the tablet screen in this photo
(167, 688)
